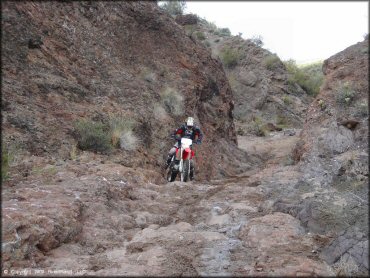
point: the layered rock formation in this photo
(333, 155)
(262, 87)
(66, 61)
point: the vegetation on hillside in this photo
(230, 57)
(174, 8)
(345, 93)
(310, 77)
(101, 137)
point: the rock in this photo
(272, 127)
(35, 43)
(350, 124)
(289, 132)
(247, 78)
(47, 119)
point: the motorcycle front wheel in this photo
(185, 171)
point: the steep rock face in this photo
(261, 85)
(262, 88)
(333, 154)
(337, 121)
(66, 61)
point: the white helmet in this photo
(190, 122)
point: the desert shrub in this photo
(257, 127)
(310, 77)
(73, 152)
(175, 7)
(159, 112)
(257, 40)
(189, 29)
(362, 110)
(322, 104)
(287, 100)
(345, 93)
(282, 121)
(94, 136)
(207, 43)
(200, 35)
(224, 32)
(271, 62)
(233, 81)
(5, 159)
(128, 141)
(172, 101)
(210, 25)
(240, 131)
(229, 57)
(121, 128)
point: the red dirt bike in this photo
(184, 166)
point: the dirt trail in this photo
(130, 224)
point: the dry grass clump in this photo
(346, 267)
(101, 137)
(172, 101)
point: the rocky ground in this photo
(100, 218)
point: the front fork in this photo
(181, 164)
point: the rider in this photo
(187, 130)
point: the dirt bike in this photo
(183, 167)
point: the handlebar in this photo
(197, 142)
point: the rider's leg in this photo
(170, 155)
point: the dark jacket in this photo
(193, 134)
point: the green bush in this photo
(4, 163)
(189, 29)
(200, 36)
(211, 26)
(345, 94)
(310, 77)
(175, 7)
(271, 62)
(282, 122)
(94, 136)
(10, 156)
(287, 100)
(257, 40)
(229, 57)
(224, 32)
(257, 127)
